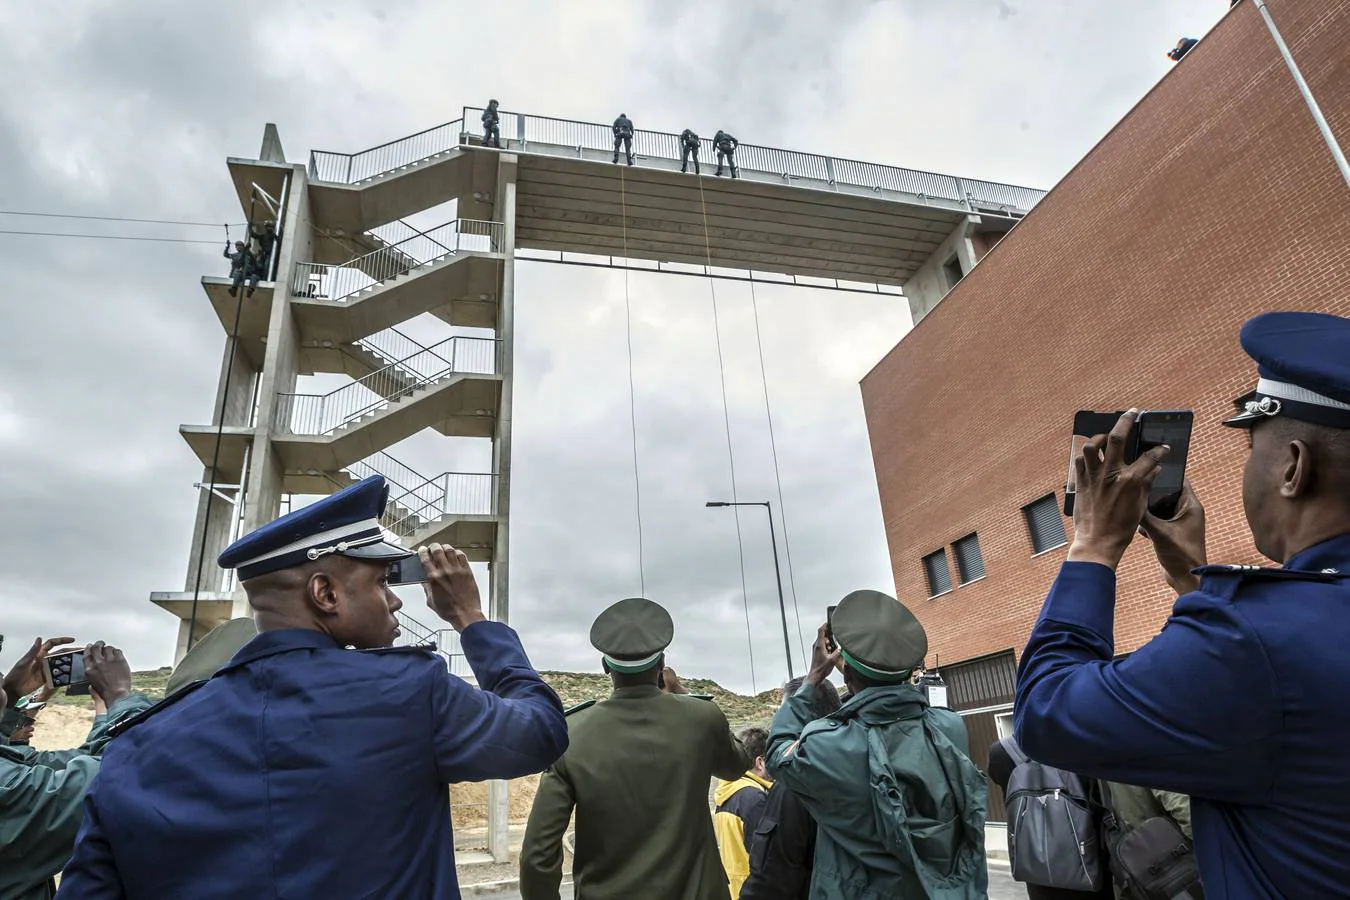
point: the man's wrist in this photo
(1096, 552)
(815, 676)
(461, 621)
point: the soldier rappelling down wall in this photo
(726, 151)
(623, 134)
(689, 145)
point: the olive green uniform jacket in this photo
(899, 806)
(41, 803)
(637, 771)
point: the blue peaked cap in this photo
(1303, 369)
(346, 523)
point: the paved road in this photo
(1001, 887)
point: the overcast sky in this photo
(130, 108)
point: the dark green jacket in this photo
(636, 772)
(41, 803)
(899, 805)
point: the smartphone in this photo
(408, 570)
(830, 645)
(1086, 425)
(1151, 429)
(64, 669)
(1173, 428)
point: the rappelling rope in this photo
(726, 418)
(632, 399)
(773, 447)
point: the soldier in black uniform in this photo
(689, 144)
(726, 151)
(623, 134)
(492, 135)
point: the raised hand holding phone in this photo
(28, 674)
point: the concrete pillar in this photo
(263, 492)
(931, 282)
(499, 795)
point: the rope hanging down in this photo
(773, 448)
(632, 400)
(726, 418)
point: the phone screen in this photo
(1173, 428)
(830, 645)
(1086, 425)
(65, 668)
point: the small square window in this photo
(969, 562)
(939, 578)
(1045, 524)
(952, 270)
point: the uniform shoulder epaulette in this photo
(1264, 573)
(404, 648)
(579, 707)
(122, 725)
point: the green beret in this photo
(879, 636)
(211, 653)
(632, 634)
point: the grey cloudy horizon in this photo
(130, 109)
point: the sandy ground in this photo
(62, 727)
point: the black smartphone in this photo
(1086, 425)
(830, 645)
(64, 669)
(1153, 429)
(408, 570)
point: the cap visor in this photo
(380, 550)
(1245, 420)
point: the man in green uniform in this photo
(41, 792)
(637, 771)
(899, 806)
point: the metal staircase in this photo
(444, 640)
(407, 257)
(386, 390)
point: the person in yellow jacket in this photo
(739, 806)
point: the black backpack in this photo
(1153, 861)
(1053, 836)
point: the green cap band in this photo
(632, 666)
(875, 674)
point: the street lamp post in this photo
(778, 573)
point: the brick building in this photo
(1214, 199)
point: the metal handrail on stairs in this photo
(325, 413)
(393, 346)
(350, 168)
(321, 281)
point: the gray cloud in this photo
(129, 109)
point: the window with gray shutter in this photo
(1045, 524)
(969, 562)
(939, 578)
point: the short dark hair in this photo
(756, 741)
(825, 702)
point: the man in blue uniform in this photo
(305, 769)
(1241, 700)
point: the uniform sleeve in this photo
(789, 758)
(92, 872)
(40, 811)
(94, 742)
(541, 853)
(514, 726)
(730, 758)
(1195, 710)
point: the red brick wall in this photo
(1213, 200)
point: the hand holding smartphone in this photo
(64, 669)
(1151, 429)
(830, 645)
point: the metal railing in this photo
(353, 168)
(414, 632)
(368, 271)
(394, 347)
(544, 134)
(325, 413)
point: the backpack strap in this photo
(1010, 746)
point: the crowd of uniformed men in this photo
(302, 755)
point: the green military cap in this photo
(632, 634)
(878, 636)
(213, 651)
